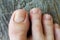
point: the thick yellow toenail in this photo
(19, 16)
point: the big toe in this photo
(18, 25)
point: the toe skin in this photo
(57, 31)
(19, 25)
(37, 31)
(48, 27)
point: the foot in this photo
(43, 27)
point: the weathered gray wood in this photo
(8, 6)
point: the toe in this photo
(19, 25)
(30, 38)
(48, 26)
(57, 31)
(37, 31)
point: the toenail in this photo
(47, 17)
(35, 10)
(19, 16)
(57, 25)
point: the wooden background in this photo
(8, 6)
